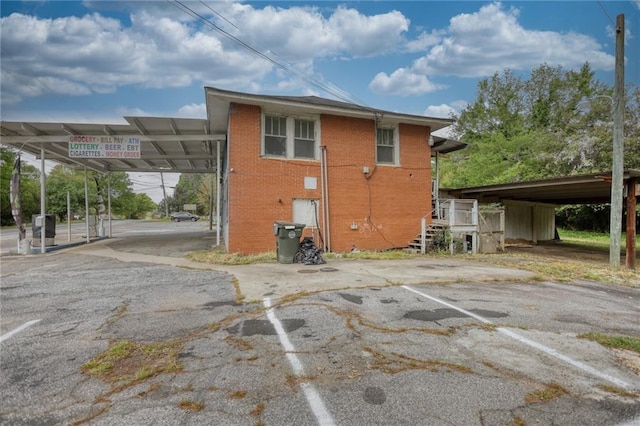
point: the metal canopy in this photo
(444, 145)
(172, 145)
(592, 188)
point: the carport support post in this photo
(217, 192)
(631, 223)
(109, 200)
(43, 203)
(68, 216)
(86, 204)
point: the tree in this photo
(532, 129)
(186, 192)
(62, 180)
(124, 203)
(29, 187)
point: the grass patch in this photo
(614, 342)
(591, 239)
(550, 391)
(372, 255)
(126, 362)
(219, 256)
(549, 268)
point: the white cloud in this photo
(303, 33)
(423, 41)
(445, 110)
(440, 111)
(403, 82)
(479, 44)
(165, 47)
(482, 43)
(193, 111)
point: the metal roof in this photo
(594, 188)
(180, 145)
(444, 145)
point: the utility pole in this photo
(617, 179)
(164, 194)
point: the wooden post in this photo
(617, 179)
(631, 223)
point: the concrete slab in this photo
(277, 280)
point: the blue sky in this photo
(71, 61)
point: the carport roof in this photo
(594, 188)
(181, 145)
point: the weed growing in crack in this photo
(189, 405)
(258, 410)
(237, 395)
(550, 391)
(393, 363)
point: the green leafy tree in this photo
(29, 187)
(62, 180)
(532, 129)
(124, 202)
(186, 192)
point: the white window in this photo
(304, 143)
(275, 136)
(290, 137)
(386, 146)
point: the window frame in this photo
(395, 147)
(290, 141)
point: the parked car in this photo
(180, 216)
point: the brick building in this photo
(356, 176)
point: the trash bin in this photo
(49, 231)
(287, 240)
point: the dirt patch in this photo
(559, 250)
(629, 358)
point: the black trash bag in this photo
(308, 253)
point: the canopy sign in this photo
(104, 146)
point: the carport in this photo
(144, 144)
(594, 188)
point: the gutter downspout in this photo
(324, 180)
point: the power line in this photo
(335, 90)
(605, 13)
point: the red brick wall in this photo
(386, 208)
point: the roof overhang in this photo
(219, 102)
(444, 146)
(592, 188)
(173, 145)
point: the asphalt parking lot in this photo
(359, 343)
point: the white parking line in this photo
(549, 351)
(323, 416)
(17, 330)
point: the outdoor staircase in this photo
(437, 227)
